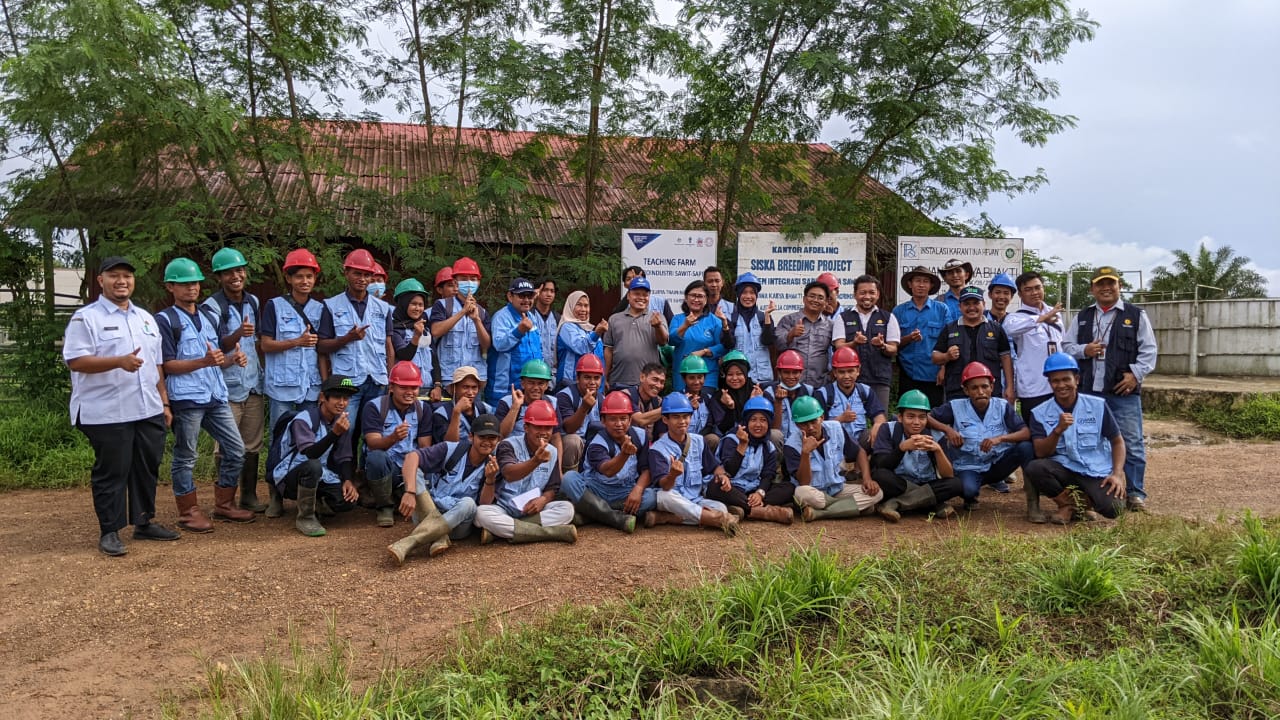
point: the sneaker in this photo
(971, 504)
(1001, 487)
(944, 511)
(152, 531)
(1136, 504)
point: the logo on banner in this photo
(908, 250)
(1009, 253)
(642, 239)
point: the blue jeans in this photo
(460, 517)
(574, 483)
(221, 424)
(379, 464)
(369, 390)
(1127, 410)
(1015, 457)
(280, 407)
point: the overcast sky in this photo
(1177, 143)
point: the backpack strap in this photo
(456, 456)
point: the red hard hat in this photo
(617, 402)
(540, 413)
(976, 370)
(378, 271)
(790, 360)
(360, 260)
(589, 363)
(301, 258)
(845, 357)
(830, 281)
(407, 374)
(466, 266)
(443, 275)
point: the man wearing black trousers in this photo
(118, 401)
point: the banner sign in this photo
(785, 266)
(988, 257)
(671, 258)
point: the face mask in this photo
(377, 289)
(468, 287)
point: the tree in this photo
(1220, 268)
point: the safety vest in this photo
(630, 472)
(746, 332)
(291, 457)
(787, 427)
(974, 430)
(205, 384)
(461, 345)
(421, 354)
(449, 485)
(508, 490)
(877, 367)
(690, 483)
(1122, 346)
(366, 358)
(836, 402)
(294, 374)
(750, 472)
(1081, 448)
(393, 418)
(987, 353)
(916, 465)
(241, 381)
(575, 401)
(825, 461)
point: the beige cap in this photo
(465, 371)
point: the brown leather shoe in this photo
(225, 509)
(772, 513)
(658, 517)
(190, 518)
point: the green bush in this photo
(1260, 562)
(33, 364)
(1257, 417)
(39, 448)
(1236, 667)
(1077, 580)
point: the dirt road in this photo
(84, 635)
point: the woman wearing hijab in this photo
(410, 336)
(752, 327)
(736, 388)
(577, 336)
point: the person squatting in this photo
(521, 423)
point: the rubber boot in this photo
(249, 485)
(838, 508)
(432, 528)
(307, 523)
(1034, 513)
(737, 512)
(658, 517)
(190, 518)
(915, 497)
(1066, 511)
(439, 546)
(595, 508)
(380, 489)
(772, 513)
(225, 509)
(530, 533)
(726, 522)
(275, 502)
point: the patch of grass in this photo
(1260, 562)
(1098, 623)
(40, 449)
(1257, 417)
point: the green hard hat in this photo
(182, 270)
(693, 365)
(536, 369)
(735, 356)
(914, 400)
(805, 409)
(228, 258)
(409, 285)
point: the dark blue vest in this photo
(877, 368)
(1122, 346)
(987, 353)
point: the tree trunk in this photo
(601, 51)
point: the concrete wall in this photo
(1237, 337)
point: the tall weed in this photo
(1236, 669)
(1259, 562)
(1082, 578)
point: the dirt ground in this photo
(85, 635)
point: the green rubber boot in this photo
(529, 533)
(307, 523)
(838, 508)
(595, 508)
(380, 489)
(432, 528)
(249, 485)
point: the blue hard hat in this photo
(639, 283)
(758, 404)
(746, 278)
(1002, 280)
(1060, 361)
(676, 404)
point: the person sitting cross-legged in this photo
(821, 465)
(910, 463)
(521, 506)
(751, 460)
(684, 467)
(613, 486)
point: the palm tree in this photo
(1220, 268)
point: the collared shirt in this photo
(1141, 368)
(917, 357)
(634, 343)
(813, 344)
(1034, 342)
(101, 329)
(951, 300)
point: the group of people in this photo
(527, 421)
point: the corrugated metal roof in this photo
(386, 159)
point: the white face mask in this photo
(377, 289)
(468, 287)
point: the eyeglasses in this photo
(815, 296)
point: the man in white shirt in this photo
(118, 401)
(1035, 329)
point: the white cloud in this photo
(1092, 248)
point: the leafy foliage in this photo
(1257, 417)
(1225, 274)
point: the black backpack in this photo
(454, 458)
(224, 310)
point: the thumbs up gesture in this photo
(246, 329)
(239, 358)
(130, 362)
(526, 324)
(214, 356)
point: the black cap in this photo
(521, 286)
(115, 261)
(486, 425)
(340, 384)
